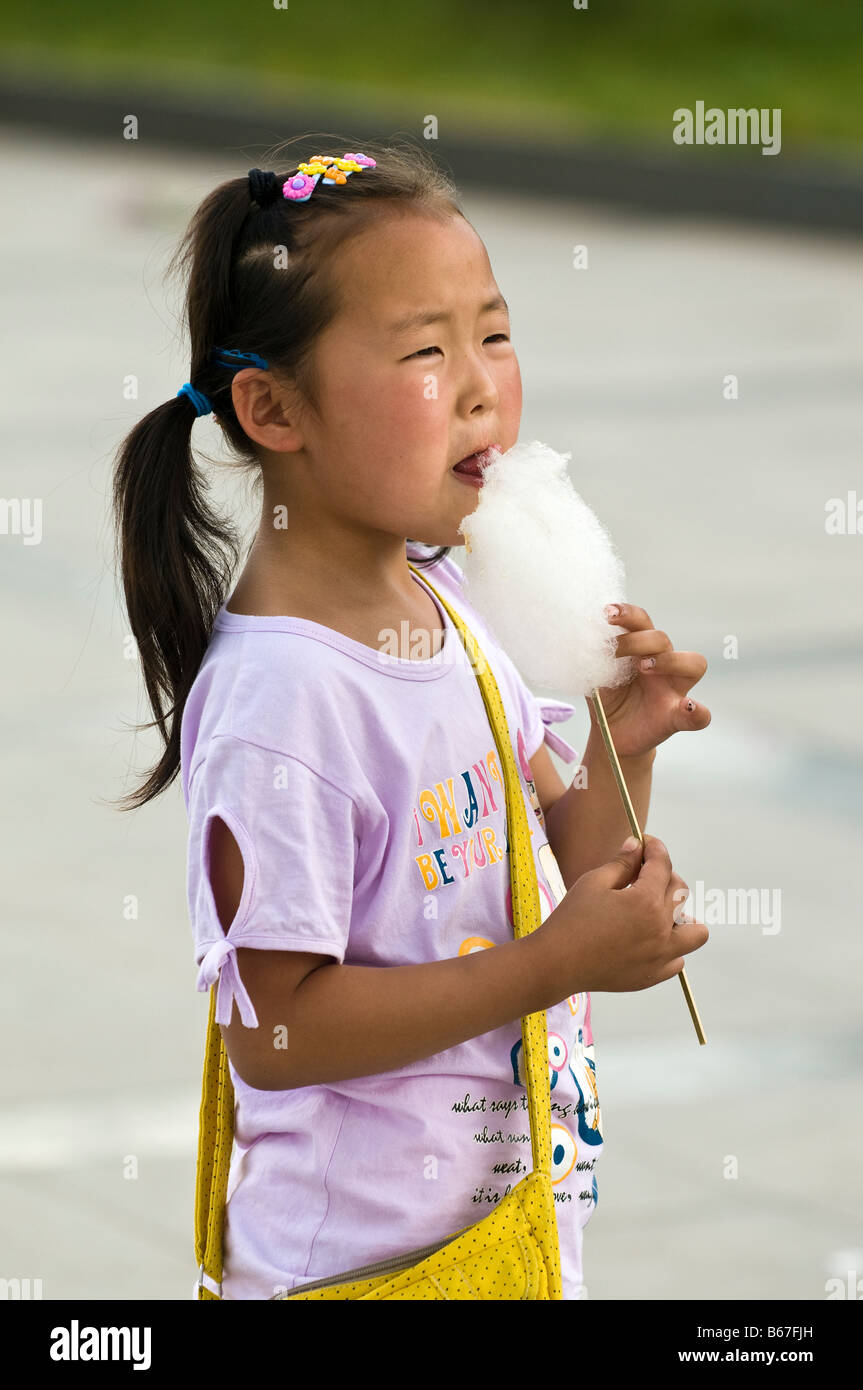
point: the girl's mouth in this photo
(470, 470)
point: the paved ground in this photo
(718, 508)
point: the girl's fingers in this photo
(628, 615)
(643, 643)
(686, 665)
(696, 717)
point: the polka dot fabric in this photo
(513, 1253)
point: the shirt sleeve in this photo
(298, 835)
(538, 712)
(547, 711)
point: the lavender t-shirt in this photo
(367, 798)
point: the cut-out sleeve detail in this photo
(552, 712)
(298, 835)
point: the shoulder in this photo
(276, 693)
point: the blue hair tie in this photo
(201, 403)
(248, 359)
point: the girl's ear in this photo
(267, 410)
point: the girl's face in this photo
(400, 404)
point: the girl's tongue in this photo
(470, 465)
(477, 462)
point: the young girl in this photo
(348, 872)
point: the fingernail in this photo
(690, 705)
(630, 843)
(612, 611)
(647, 663)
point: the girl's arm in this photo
(320, 1021)
(586, 824)
(345, 1021)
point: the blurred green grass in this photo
(613, 71)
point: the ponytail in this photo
(176, 561)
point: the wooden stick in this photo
(636, 830)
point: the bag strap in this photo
(216, 1115)
(526, 912)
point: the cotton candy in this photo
(540, 569)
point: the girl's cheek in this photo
(513, 384)
(424, 406)
(512, 409)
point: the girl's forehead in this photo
(401, 249)
(413, 269)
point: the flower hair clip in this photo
(299, 188)
(264, 189)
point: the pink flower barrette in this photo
(300, 186)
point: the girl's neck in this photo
(285, 570)
(414, 617)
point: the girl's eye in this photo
(423, 351)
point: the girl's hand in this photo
(654, 705)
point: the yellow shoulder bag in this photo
(513, 1253)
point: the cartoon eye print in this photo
(516, 1057)
(557, 1052)
(474, 943)
(546, 903)
(557, 1059)
(563, 1153)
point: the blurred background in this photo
(700, 359)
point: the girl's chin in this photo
(444, 537)
(447, 533)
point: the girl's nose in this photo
(479, 386)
